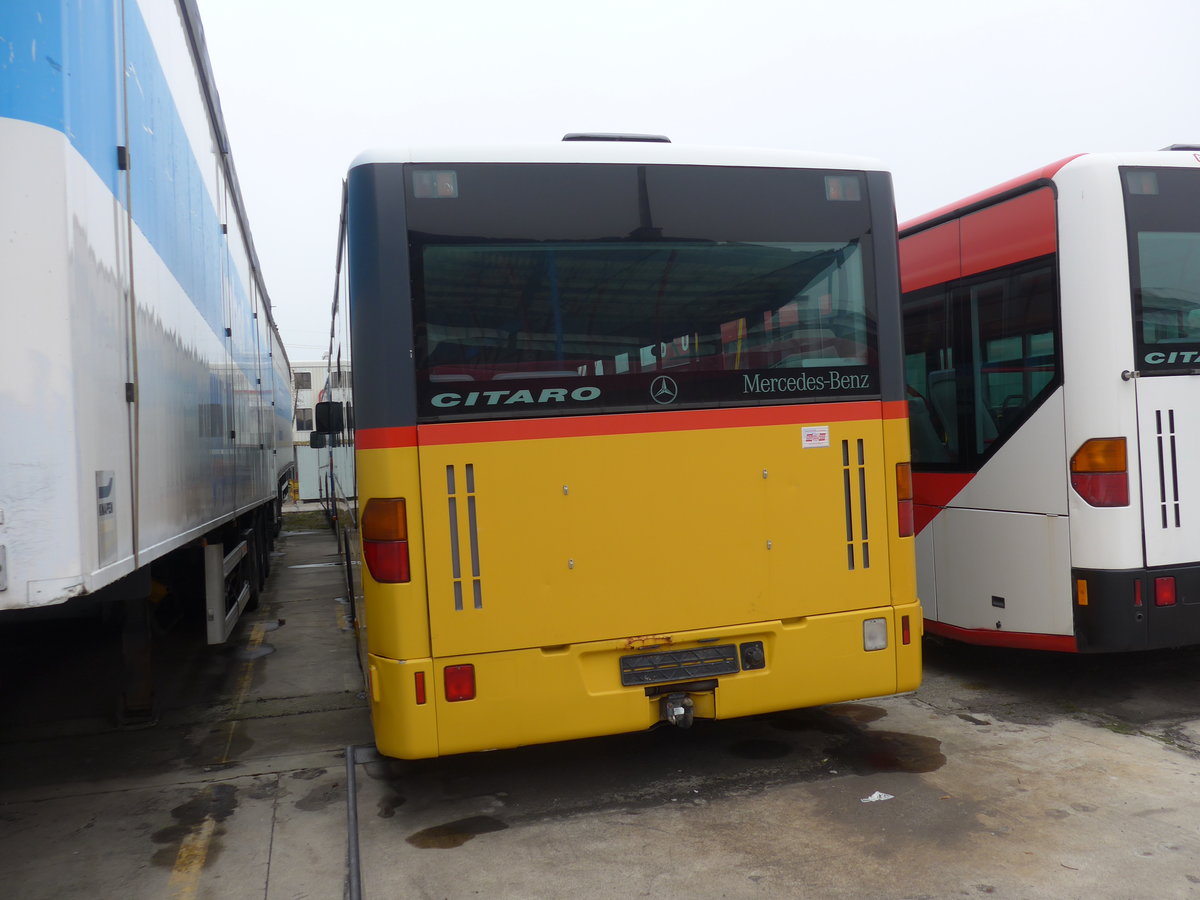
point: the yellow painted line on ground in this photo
(256, 638)
(189, 861)
(193, 851)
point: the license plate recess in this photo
(679, 665)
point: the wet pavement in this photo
(237, 791)
(1009, 774)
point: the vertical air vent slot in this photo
(456, 562)
(1168, 469)
(854, 483)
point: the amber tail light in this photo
(904, 498)
(385, 540)
(1099, 472)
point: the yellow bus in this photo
(630, 439)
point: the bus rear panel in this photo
(647, 458)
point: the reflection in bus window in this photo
(1169, 292)
(581, 308)
(1001, 326)
(929, 372)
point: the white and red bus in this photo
(1052, 331)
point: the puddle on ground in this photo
(872, 752)
(320, 797)
(324, 565)
(265, 787)
(972, 719)
(217, 802)
(454, 834)
(389, 804)
(220, 748)
(859, 749)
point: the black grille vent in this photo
(679, 665)
(1168, 469)
(854, 483)
(455, 494)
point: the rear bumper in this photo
(1112, 619)
(560, 693)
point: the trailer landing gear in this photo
(136, 704)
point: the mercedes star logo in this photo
(664, 389)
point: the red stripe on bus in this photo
(590, 426)
(930, 257)
(989, 637)
(650, 423)
(1015, 230)
(933, 491)
(1015, 184)
(1010, 232)
(383, 438)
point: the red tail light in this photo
(385, 540)
(419, 686)
(460, 683)
(1102, 488)
(904, 498)
(1099, 472)
(905, 632)
(387, 561)
(1164, 591)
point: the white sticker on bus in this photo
(815, 436)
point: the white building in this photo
(312, 383)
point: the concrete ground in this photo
(237, 792)
(1015, 775)
(1008, 776)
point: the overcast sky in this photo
(952, 95)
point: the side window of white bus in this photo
(929, 372)
(1013, 318)
(980, 354)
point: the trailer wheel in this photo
(265, 540)
(251, 567)
(277, 511)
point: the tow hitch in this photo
(677, 709)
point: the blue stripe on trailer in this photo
(58, 70)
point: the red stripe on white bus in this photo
(1009, 232)
(988, 637)
(933, 491)
(1012, 185)
(930, 257)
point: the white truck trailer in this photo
(145, 394)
